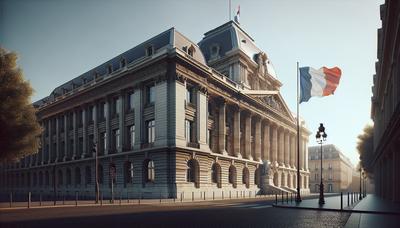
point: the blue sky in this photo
(59, 40)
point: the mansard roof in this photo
(228, 37)
(166, 40)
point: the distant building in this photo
(171, 118)
(385, 107)
(337, 170)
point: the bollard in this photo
(237, 194)
(76, 198)
(160, 197)
(222, 194)
(29, 199)
(140, 197)
(192, 196)
(348, 199)
(282, 197)
(11, 199)
(341, 201)
(287, 197)
(120, 198)
(352, 198)
(276, 198)
(101, 198)
(291, 197)
(63, 199)
(127, 197)
(230, 195)
(181, 196)
(213, 195)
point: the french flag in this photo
(318, 83)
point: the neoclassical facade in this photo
(385, 105)
(337, 170)
(170, 118)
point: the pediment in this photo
(276, 102)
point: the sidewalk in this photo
(371, 211)
(382, 213)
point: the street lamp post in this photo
(321, 137)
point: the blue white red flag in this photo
(318, 83)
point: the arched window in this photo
(101, 174)
(77, 176)
(149, 171)
(232, 175)
(192, 173)
(128, 172)
(216, 174)
(245, 177)
(40, 179)
(257, 176)
(60, 178)
(46, 178)
(88, 175)
(68, 177)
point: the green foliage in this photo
(365, 147)
(19, 128)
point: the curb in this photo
(337, 210)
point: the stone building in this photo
(385, 108)
(337, 170)
(171, 118)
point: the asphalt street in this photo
(233, 213)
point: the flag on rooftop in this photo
(318, 83)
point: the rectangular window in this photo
(80, 118)
(132, 136)
(189, 94)
(150, 131)
(116, 139)
(189, 130)
(150, 94)
(116, 106)
(80, 149)
(131, 101)
(103, 139)
(90, 114)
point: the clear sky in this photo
(58, 40)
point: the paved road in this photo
(234, 213)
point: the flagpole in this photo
(298, 197)
(230, 11)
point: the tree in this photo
(19, 128)
(365, 147)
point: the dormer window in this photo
(191, 51)
(214, 51)
(109, 69)
(123, 63)
(149, 50)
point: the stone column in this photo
(293, 151)
(202, 119)
(274, 144)
(138, 117)
(95, 128)
(248, 136)
(57, 138)
(121, 125)
(49, 152)
(221, 127)
(75, 135)
(287, 149)
(236, 132)
(257, 140)
(267, 146)
(305, 155)
(108, 125)
(281, 149)
(66, 130)
(84, 132)
(301, 155)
